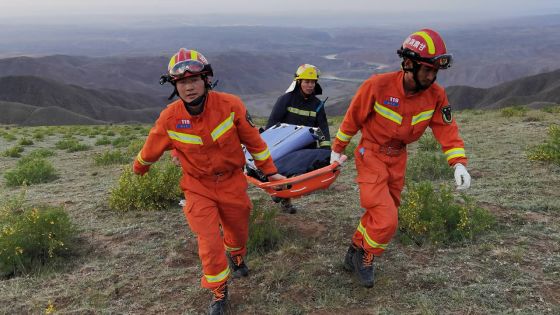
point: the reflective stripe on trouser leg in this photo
(202, 216)
(376, 229)
(235, 208)
(380, 179)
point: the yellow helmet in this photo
(307, 72)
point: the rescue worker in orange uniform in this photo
(206, 130)
(300, 106)
(392, 110)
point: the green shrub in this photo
(110, 133)
(25, 141)
(103, 141)
(38, 135)
(156, 190)
(94, 131)
(264, 232)
(41, 153)
(134, 147)
(71, 145)
(534, 116)
(50, 131)
(514, 111)
(550, 149)
(30, 171)
(120, 142)
(30, 237)
(8, 136)
(110, 157)
(428, 143)
(125, 131)
(428, 166)
(14, 151)
(551, 109)
(435, 216)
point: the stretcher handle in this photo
(292, 180)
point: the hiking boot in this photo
(287, 206)
(219, 301)
(238, 267)
(348, 264)
(363, 266)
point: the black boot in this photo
(238, 267)
(348, 264)
(219, 301)
(363, 266)
(287, 206)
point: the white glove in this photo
(462, 177)
(336, 157)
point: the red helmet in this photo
(426, 47)
(186, 63)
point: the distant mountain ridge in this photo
(238, 72)
(534, 91)
(31, 100)
(540, 88)
(86, 105)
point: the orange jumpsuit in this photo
(208, 146)
(388, 120)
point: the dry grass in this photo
(146, 262)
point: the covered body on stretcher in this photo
(295, 153)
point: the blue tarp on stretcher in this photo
(283, 139)
(307, 170)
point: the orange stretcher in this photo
(300, 185)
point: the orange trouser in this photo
(381, 180)
(214, 202)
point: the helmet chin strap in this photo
(197, 101)
(417, 85)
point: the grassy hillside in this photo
(147, 263)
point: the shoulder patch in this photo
(249, 119)
(446, 114)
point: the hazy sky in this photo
(498, 8)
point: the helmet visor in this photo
(192, 66)
(441, 61)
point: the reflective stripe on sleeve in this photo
(141, 160)
(454, 153)
(342, 136)
(261, 156)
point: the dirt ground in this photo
(147, 262)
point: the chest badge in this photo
(391, 101)
(183, 124)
